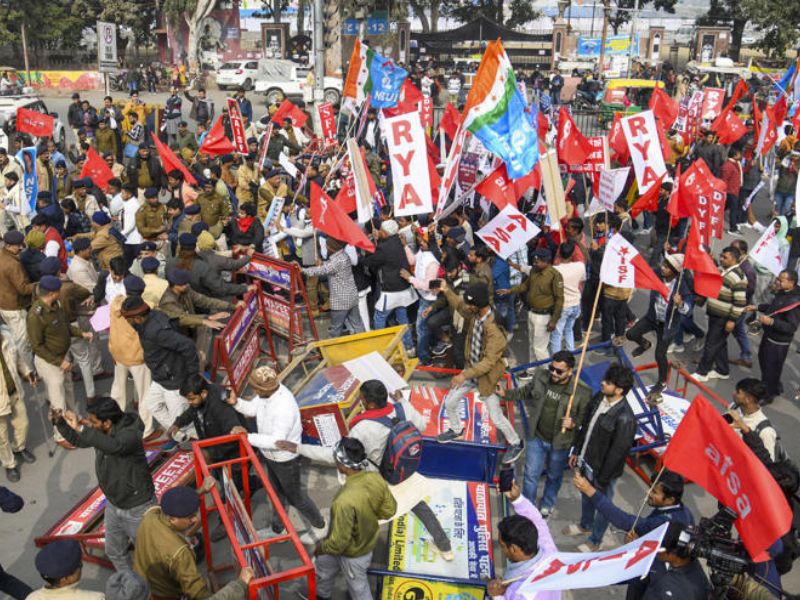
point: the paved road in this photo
(52, 485)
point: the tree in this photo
(428, 12)
(618, 18)
(735, 14)
(139, 16)
(777, 21)
(192, 12)
(522, 12)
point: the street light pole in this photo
(633, 36)
(24, 36)
(319, 61)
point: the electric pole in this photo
(633, 37)
(319, 62)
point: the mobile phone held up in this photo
(506, 479)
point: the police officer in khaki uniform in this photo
(59, 563)
(247, 179)
(15, 293)
(50, 334)
(213, 208)
(151, 221)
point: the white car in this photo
(238, 73)
(284, 79)
(8, 119)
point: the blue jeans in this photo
(381, 316)
(565, 329)
(740, 333)
(504, 305)
(594, 520)
(423, 333)
(541, 456)
(688, 326)
(784, 203)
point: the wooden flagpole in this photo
(583, 353)
(644, 502)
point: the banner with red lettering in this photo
(237, 126)
(510, 230)
(624, 267)
(405, 139)
(262, 156)
(709, 207)
(328, 121)
(768, 252)
(450, 169)
(645, 148)
(713, 102)
(426, 112)
(582, 570)
(611, 185)
(707, 450)
(597, 160)
(34, 122)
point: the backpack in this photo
(403, 452)
(780, 454)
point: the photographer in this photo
(683, 578)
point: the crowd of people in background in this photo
(166, 255)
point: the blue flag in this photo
(387, 79)
(30, 180)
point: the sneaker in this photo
(676, 348)
(699, 344)
(441, 348)
(742, 362)
(545, 511)
(588, 547)
(700, 377)
(689, 338)
(449, 556)
(573, 530)
(449, 436)
(712, 374)
(12, 474)
(513, 453)
(639, 350)
(411, 352)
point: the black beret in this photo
(134, 284)
(180, 501)
(14, 238)
(50, 283)
(187, 240)
(59, 559)
(151, 192)
(81, 244)
(178, 277)
(199, 227)
(194, 209)
(50, 266)
(148, 245)
(150, 264)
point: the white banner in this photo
(612, 183)
(645, 147)
(411, 180)
(581, 570)
(508, 231)
(363, 200)
(768, 253)
(450, 170)
(107, 47)
(713, 101)
(288, 165)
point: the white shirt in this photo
(129, 230)
(113, 289)
(573, 274)
(116, 204)
(277, 418)
(768, 435)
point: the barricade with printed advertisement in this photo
(285, 302)
(84, 522)
(244, 343)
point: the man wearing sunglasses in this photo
(550, 433)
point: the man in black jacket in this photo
(171, 358)
(601, 447)
(121, 467)
(780, 321)
(684, 578)
(145, 171)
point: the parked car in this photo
(285, 79)
(8, 119)
(238, 73)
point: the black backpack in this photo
(403, 452)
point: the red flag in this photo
(97, 169)
(433, 151)
(216, 143)
(542, 124)
(450, 120)
(526, 182)
(672, 206)
(328, 217)
(34, 122)
(287, 110)
(728, 127)
(664, 108)
(649, 200)
(498, 188)
(617, 141)
(690, 185)
(410, 96)
(707, 278)
(780, 108)
(346, 198)
(615, 270)
(710, 453)
(573, 147)
(170, 162)
(740, 91)
(436, 180)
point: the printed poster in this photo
(429, 402)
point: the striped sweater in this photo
(732, 296)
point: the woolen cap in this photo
(675, 261)
(264, 380)
(390, 227)
(50, 266)
(59, 559)
(49, 283)
(180, 501)
(477, 294)
(101, 218)
(134, 285)
(178, 277)
(14, 238)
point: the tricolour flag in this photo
(624, 267)
(372, 74)
(495, 113)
